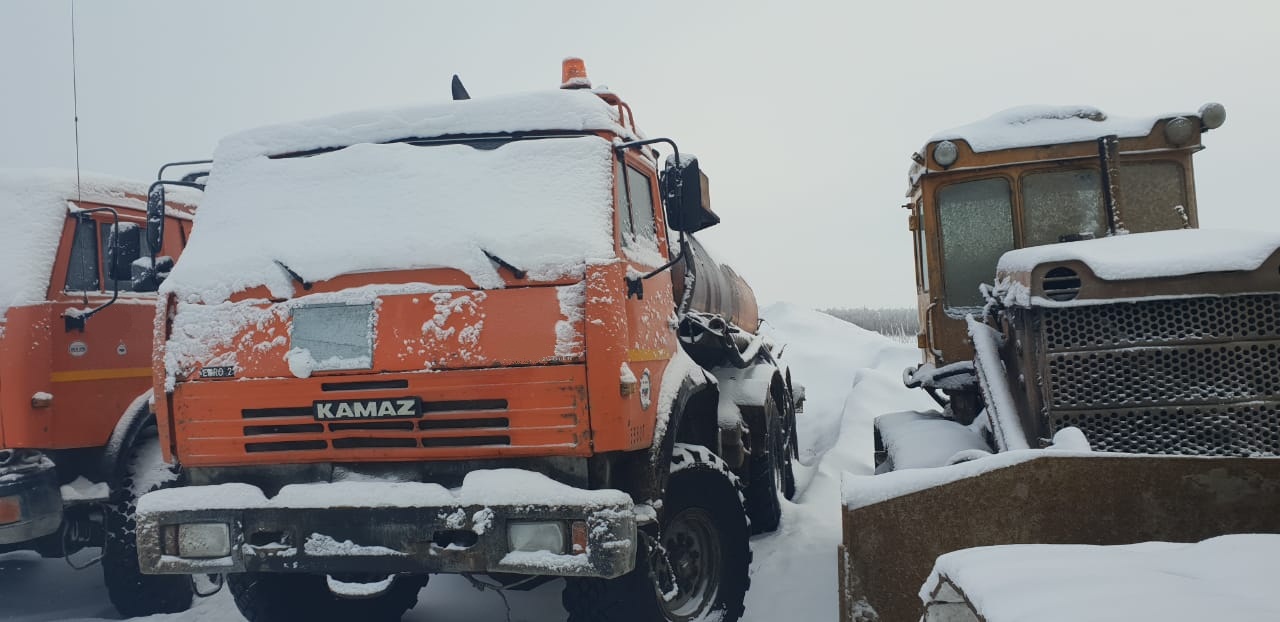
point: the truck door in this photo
(98, 371)
(644, 246)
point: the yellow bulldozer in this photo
(1106, 372)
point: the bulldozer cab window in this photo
(1153, 196)
(82, 265)
(132, 247)
(634, 197)
(1061, 206)
(976, 222)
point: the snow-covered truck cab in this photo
(77, 302)
(446, 339)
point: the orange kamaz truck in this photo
(476, 337)
(77, 436)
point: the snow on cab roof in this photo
(561, 109)
(1153, 255)
(1028, 126)
(36, 200)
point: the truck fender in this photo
(695, 390)
(136, 417)
(743, 394)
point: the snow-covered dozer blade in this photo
(895, 525)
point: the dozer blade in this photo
(890, 546)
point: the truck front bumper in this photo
(382, 528)
(31, 496)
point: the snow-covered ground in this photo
(850, 374)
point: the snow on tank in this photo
(1028, 126)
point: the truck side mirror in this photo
(685, 195)
(124, 246)
(155, 218)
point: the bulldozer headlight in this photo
(1179, 130)
(945, 153)
(1213, 115)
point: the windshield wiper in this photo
(306, 285)
(519, 274)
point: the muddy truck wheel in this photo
(769, 467)
(697, 568)
(133, 593)
(281, 597)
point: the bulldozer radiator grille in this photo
(1246, 430)
(1165, 375)
(1182, 320)
(1198, 376)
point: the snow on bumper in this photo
(390, 527)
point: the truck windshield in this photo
(976, 219)
(1061, 206)
(1152, 196)
(543, 205)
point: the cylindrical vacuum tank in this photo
(717, 289)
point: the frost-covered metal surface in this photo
(1155, 254)
(1026, 126)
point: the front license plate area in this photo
(358, 410)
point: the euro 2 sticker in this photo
(646, 391)
(78, 348)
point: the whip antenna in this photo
(75, 96)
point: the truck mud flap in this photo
(889, 547)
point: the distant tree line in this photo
(898, 324)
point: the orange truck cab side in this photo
(76, 304)
(449, 339)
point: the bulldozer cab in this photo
(1032, 176)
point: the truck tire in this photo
(768, 474)
(133, 593)
(791, 453)
(704, 552)
(284, 597)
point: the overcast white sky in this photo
(804, 114)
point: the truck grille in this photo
(466, 414)
(445, 415)
(1196, 376)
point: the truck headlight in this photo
(336, 336)
(204, 540)
(536, 536)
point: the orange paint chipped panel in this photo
(427, 330)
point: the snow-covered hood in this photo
(544, 206)
(1152, 255)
